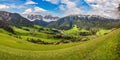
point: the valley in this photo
(41, 36)
(13, 48)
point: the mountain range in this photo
(82, 21)
(46, 18)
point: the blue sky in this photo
(59, 7)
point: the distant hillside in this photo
(84, 21)
(41, 23)
(14, 19)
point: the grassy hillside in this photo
(74, 30)
(102, 48)
(3, 31)
(37, 35)
(102, 32)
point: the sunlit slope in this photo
(10, 41)
(103, 48)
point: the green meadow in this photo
(102, 48)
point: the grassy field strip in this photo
(22, 44)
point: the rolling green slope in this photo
(103, 48)
(72, 31)
(102, 32)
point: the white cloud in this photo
(30, 2)
(34, 10)
(28, 11)
(3, 7)
(62, 7)
(71, 7)
(106, 8)
(90, 0)
(22, 6)
(97, 7)
(37, 9)
(53, 1)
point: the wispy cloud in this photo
(33, 11)
(70, 7)
(3, 7)
(104, 7)
(38, 9)
(30, 2)
(53, 1)
(67, 6)
(28, 11)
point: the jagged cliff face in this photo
(44, 18)
(32, 17)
